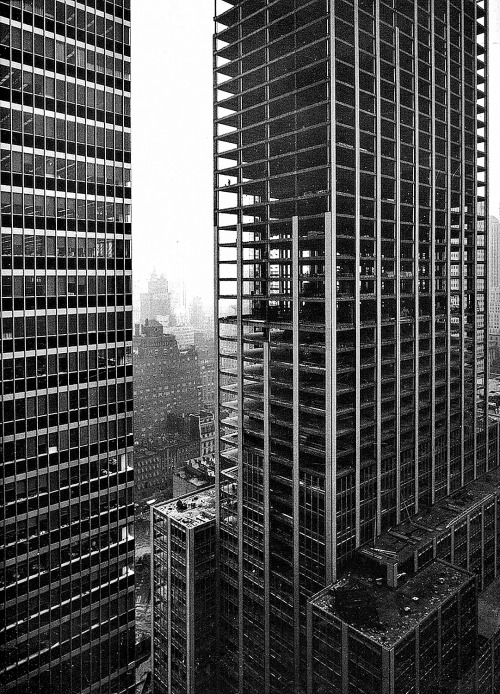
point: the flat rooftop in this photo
(399, 543)
(190, 510)
(386, 615)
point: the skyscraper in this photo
(157, 300)
(350, 225)
(67, 579)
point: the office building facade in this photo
(184, 602)
(166, 384)
(371, 639)
(156, 301)
(350, 230)
(67, 576)
(155, 467)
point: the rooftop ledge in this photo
(190, 510)
(386, 615)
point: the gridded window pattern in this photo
(184, 604)
(166, 385)
(435, 652)
(350, 197)
(66, 328)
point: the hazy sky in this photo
(172, 141)
(172, 138)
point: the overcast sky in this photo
(172, 139)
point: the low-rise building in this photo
(184, 596)
(194, 474)
(367, 636)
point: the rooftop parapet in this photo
(386, 615)
(400, 544)
(191, 510)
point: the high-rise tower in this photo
(67, 583)
(350, 222)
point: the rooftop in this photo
(190, 510)
(399, 543)
(384, 614)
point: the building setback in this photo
(67, 547)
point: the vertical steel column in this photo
(345, 657)
(462, 273)
(476, 224)
(448, 255)
(217, 349)
(397, 283)
(217, 438)
(378, 271)
(495, 546)
(152, 593)
(439, 643)
(310, 663)
(266, 392)
(416, 261)
(481, 583)
(296, 447)
(331, 336)
(388, 670)
(169, 593)
(330, 400)
(468, 542)
(190, 584)
(357, 280)
(266, 511)
(486, 331)
(417, 647)
(240, 376)
(433, 257)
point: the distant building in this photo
(202, 429)
(194, 474)
(197, 313)
(184, 334)
(206, 364)
(494, 311)
(178, 299)
(183, 551)
(156, 301)
(155, 467)
(166, 380)
(494, 253)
